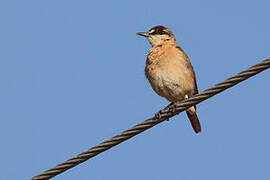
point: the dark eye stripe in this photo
(158, 31)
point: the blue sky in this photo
(72, 76)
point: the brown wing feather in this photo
(189, 65)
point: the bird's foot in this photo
(167, 109)
(158, 115)
(172, 107)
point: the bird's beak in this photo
(145, 34)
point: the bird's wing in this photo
(189, 66)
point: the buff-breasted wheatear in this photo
(169, 70)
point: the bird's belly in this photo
(172, 87)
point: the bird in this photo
(169, 70)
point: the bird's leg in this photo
(158, 114)
(172, 107)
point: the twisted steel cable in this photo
(161, 116)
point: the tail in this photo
(191, 113)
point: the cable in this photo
(163, 115)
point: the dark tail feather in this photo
(194, 121)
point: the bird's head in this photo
(158, 35)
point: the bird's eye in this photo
(160, 31)
(157, 31)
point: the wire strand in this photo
(164, 114)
